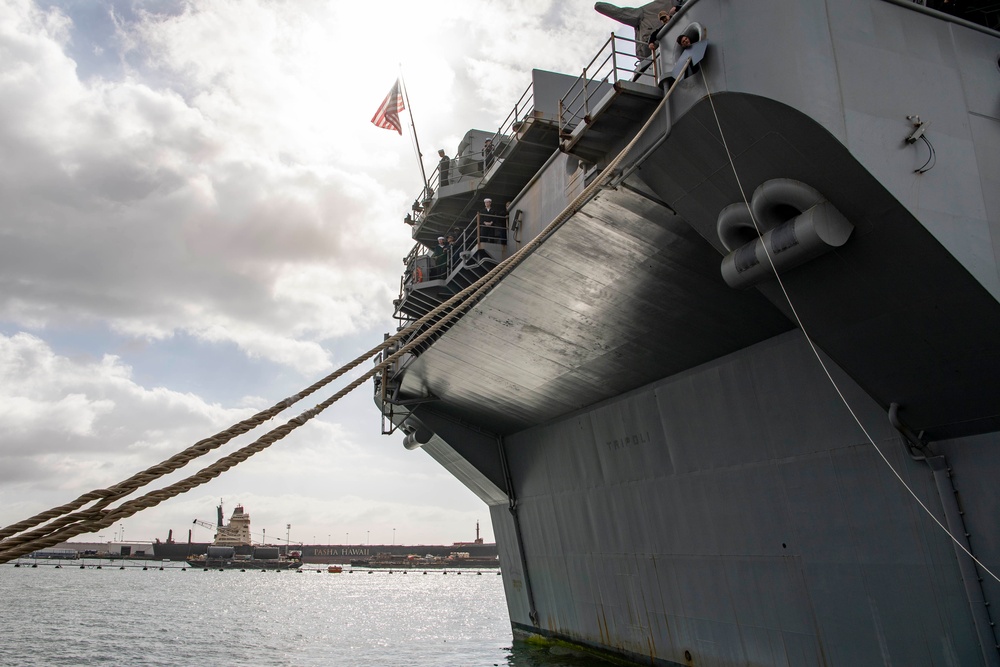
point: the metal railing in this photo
(488, 229)
(423, 266)
(615, 61)
(450, 171)
(505, 136)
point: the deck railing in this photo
(470, 239)
(502, 141)
(506, 134)
(615, 61)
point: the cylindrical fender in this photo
(417, 438)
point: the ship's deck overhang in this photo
(629, 291)
(623, 294)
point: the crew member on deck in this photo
(490, 220)
(440, 256)
(664, 18)
(444, 164)
(488, 156)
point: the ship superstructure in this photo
(688, 460)
(235, 533)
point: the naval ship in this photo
(727, 371)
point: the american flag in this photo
(387, 115)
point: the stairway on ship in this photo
(420, 298)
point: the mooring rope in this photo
(202, 447)
(63, 522)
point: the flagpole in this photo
(413, 129)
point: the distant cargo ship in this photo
(235, 534)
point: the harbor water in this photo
(174, 616)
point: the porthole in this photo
(694, 31)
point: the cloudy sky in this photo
(197, 219)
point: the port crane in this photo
(205, 524)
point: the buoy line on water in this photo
(175, 565)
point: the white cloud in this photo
(228, 184)
(85, 409)
(74, 425)
(214, 177)
(126, 203)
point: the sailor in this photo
(490, 219)
(440, 257)
(685, 41)
(488, 154)
(444, 164)
(664, 18)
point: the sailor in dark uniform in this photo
(439, 255)
(488, 154)
(490, 221)
(444, 165)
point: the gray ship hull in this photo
(736, 513)
(673, 476)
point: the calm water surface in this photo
(70, 616)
